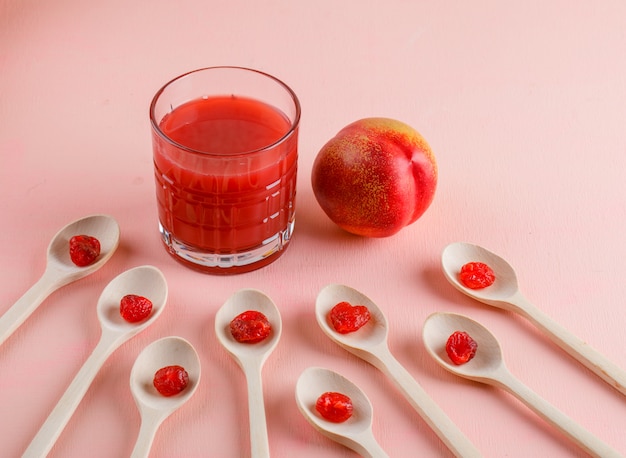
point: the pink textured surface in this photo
(524, 106)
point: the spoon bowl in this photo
(488, 367)
(375, 332)
(154, 407)
(370, 344)
(242, 301)
(356, 432)
(60, 270)
(251, 356)
(145, 281)
(102, 227)
(488, 359)
(455, 255)
(504, 293)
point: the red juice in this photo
(225, 169)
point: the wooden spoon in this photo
(356, 432)
(488, 367)
(60, 270)
(251, 357)
(154, 407)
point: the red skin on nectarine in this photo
(376, 176)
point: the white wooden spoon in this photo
(60, 270)
(251, 357)
(505, 294)
(488, 367)
(370, 344)
(154, 407)
(356, 432)
(144, 281)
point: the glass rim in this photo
(292, 128)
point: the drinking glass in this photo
(225, 162)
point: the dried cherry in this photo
(460, 347)
(84, 249)
(477, 275)
(171, 380)
(335, 407)
(346, 317)
(134, 308)
(250, 327)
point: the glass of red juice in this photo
(225, 162)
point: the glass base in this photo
(228, 263)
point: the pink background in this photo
(524, 105)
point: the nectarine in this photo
(376, 176)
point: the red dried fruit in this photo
(346, 317)
(135, 308)
(84, 249)
(460, 347)
(477, 275)
(250, 327)
(171, 380)
(335, 407)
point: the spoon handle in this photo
(50, 431)
(259, 443)
(428, 409)
(26, 305)
(147, 431)
(590, 443)
(367, 446)
(585, 354)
